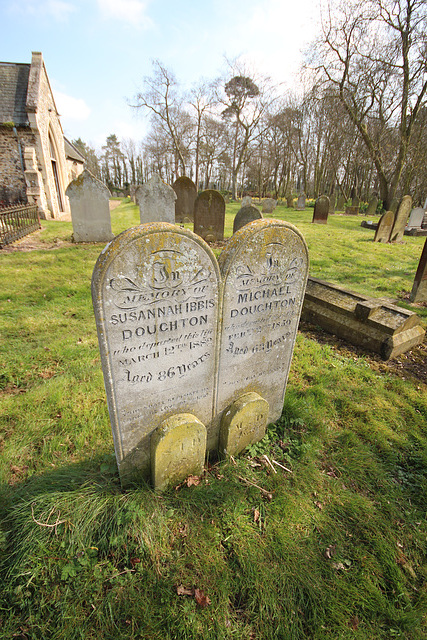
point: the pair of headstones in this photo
(195, 353)
(391, 226)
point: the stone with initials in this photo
(90, 209)
(401, 219)
(385, 225)
(209, 215)
(243, 423)
(186, 192)
(321, 210)
(269, 205)
(155, 291)
(264, 269)
(178, 449)
(245, 215)
(156, 201)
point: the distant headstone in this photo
(244, 216)
(332, 204)
(155, 292)
(301, 202)
(394, 205)
(264, 268)
(352, 211)
(372, 206)
(321, 210)
(385, 225)
(355, 202)
(186, 192)
(269, 205)
(340, 203)
(290, 202)
(156, 201)
(419, 289)
(246, 201)
(132, 192)
(209, 215)
(90, 210)
(401, 219)
(416, 218)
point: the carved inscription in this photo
(265, 272)
(156, 301)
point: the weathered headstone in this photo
(132, 192)
(156, 201)
(264, 267)
(301, 202)
(321, 210)
(385, 225)
(372, 206)
(269, 205)
(246, 201)
(416, 218)
(155, 292)
(355, 202)
(209, 215)
(90, 210)
(401, 219)
(290, 202)
(332, 204)
(244, 216)
(419, 289)
(352, 211)
(186, 192)
(340, 203)
(394, 205)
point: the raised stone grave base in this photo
(373, 324)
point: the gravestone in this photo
(246, 202)
(352, 211)
(385, 225)
(132, 192)
(269, 205)
(340, 203)
(394, 205)
(321, 210)
(332, 204)
(401, 219)
(419, 289)
(355, 202)
(156, 201)
(416, 218)
(301, 202)
(372, 206)
(290, 202)
(90, 209)
(244, 216)
(155, 291)
(264, 268)
(186, 193)
(209, 215)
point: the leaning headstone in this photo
(290, 202)
(385, 225)
(244, 216)
(340, 203)
(209, 215)
(269, 205)
(264, 268)
(301, 202)
(372, 206)
(321, 210)
(419, 289)
(416, 218)
(394, 205)
(155, 292)
(90, 209)
(401, 219)
(156, 201)
(246, 201)
(186, 192)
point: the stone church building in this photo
(36, 162)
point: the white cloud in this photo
(58, 9)
(132, 11)
(71, 108)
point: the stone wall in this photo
(12, 180)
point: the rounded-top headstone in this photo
(246, 202)
(245, 215)
(90, 209)
(385, 225)
(321, 210)
(209, 215)
(401, 219)
(269, 205)
(156, 201)
(186, 193)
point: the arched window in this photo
(53, 159)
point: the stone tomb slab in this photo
(90, 209)
(209, 215)
(155, 291)
(186, 192)
(264, 268)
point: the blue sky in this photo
(97, 52)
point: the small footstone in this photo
(243, 423)
(178, 448)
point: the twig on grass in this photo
(265, 456)
(282, 467)
(266, 493)
(53, 525)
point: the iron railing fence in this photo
(17, 221)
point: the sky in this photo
(97, 52)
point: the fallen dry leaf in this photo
(256, 515)
(193, 481)
(201, 599)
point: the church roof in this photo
(13, 93)
(71, 151)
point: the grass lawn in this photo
(332, 546)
